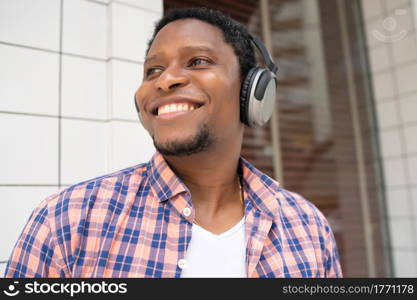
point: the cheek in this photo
(141, 95)
(230, 105)
(224, 91)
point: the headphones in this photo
(258, 90)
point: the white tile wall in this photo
(401, 230)
(31, 23)
(406, 78)
(390, 143)
(379, 58)
(28, 80)
(85, 28)
(84, 150)
(138, 23)
(415, 223)
(412, 168)
(405, 50)
(398, 202)
(371, 8)
(130, 145)
(411, 139)
(405, 263)
(394, 172)
(84, 88)
(383, 85)
(387, 115)
(126, 78)
(156, 6)
(29, 152)
(20, 203)
(414, 201)
(414, 9)
(2, 270)
(409, 108)
(390, 4)
(402, 12)
(394, 72)
(370, 27)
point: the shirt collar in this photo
(164, 182)
(261, 189)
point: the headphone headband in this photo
(265, 54)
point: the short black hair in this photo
(235, 34)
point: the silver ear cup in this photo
(260, 108)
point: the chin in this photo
(178, 139)
(182, 146)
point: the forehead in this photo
(187, 32)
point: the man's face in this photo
(189, 97)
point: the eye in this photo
(152, 71)
(198, 61)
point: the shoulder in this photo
(295, 205)
(96, 191)
(304, 223)
(281, 201)
(289, 206)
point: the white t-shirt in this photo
(216, 255)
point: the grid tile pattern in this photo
(131, 46)
(69, 72)
(84, 28)
(83, 85)
(392, 44)
(31, 23)
(27, 75)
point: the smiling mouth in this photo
(175, 109)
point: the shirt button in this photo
(187, 211)
(182, 264)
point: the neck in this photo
(211, 176)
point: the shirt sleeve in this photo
(35, 253)
(332, 261)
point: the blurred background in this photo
(343, 133)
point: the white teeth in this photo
(172, 108)
(175, 107)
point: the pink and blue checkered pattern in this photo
(130, 224)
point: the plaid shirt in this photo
(130, 223)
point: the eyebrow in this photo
(183, 49)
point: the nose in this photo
(171, 78)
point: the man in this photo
(197, 209)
